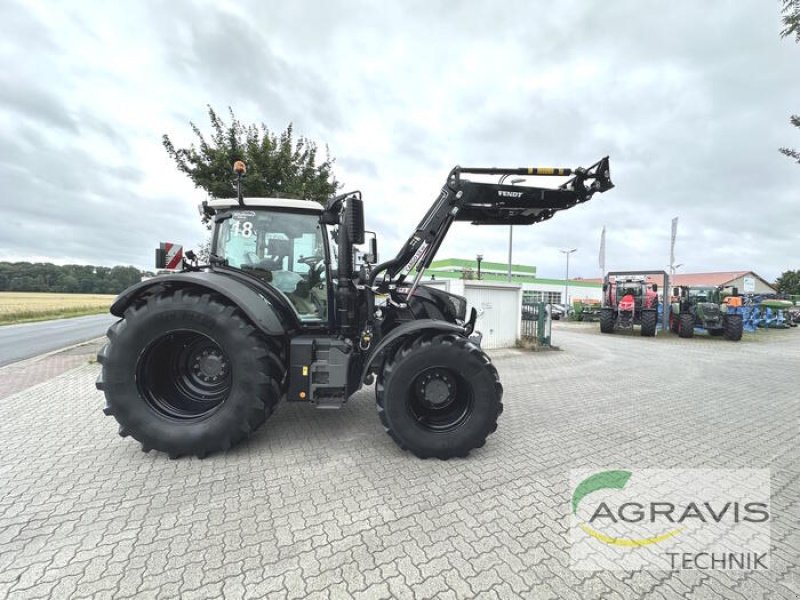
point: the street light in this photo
(673, 268)
(480, 258)
(566, 280)
(510, 227)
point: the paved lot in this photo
(322, 504)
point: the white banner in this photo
(672, 242)
(602, 255)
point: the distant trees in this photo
(789, 282)
(276, 164)
(790, 11)
(69, 279)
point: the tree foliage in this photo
(276, 164)
(85, 279)
(789, 282)
(790, 11)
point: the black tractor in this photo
(201, 357)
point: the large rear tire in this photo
(185, 373)
(649, 323)
(607, 320)
(439, 396)
(734, 326)
(686, 325)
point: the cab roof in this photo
(221, 203)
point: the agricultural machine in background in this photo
(708, 308)
(770, 311)
(200, 358)
(629, 301)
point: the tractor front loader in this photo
(200, 358)
(709, 308)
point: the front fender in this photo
(262, 311)
(404, 330)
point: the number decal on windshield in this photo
(242, 228)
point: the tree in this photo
(276, 164)
(789, 282)
(791, 27)
(203, 251)
(791, 19)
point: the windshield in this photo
(702, 294)
(285, 249)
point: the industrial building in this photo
(534, 288)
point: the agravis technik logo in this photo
(613, 480)
(670, 519)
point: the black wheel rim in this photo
(184, 375)
(440, 400)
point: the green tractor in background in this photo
(709, 308)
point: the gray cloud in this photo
(691, 101)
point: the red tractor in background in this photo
(627, 302)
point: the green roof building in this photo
(534, 288)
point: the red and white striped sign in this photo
(173, 254)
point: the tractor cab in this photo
(280, 242)
(698, 295)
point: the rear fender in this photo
(412, 328)
(264, 312)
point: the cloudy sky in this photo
(690, 99)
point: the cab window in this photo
(284, 249)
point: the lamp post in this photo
(510, 227)
(673, 268)
(566, 280)
(479, 258)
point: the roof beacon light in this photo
(240, 169)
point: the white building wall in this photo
(499, 307)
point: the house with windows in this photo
(747, 282)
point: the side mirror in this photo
(354, 220)
(655, 287)
(605, 287)
(676, 291)
(161, 258)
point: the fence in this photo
(536, 322)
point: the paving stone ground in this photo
(322, 504)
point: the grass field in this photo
(19, 307)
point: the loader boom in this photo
(490, 204)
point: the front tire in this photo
(439, 396)
(606, 320)
(734, 326)
(185, 373)
(649, 323)
(686, 325)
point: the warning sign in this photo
(173, 254)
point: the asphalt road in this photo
(18, 342)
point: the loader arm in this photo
(489, 204)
